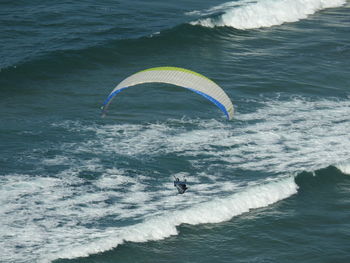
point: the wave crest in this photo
(162, 226)
(344, 167)
(267, 13)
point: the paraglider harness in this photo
(180, 185)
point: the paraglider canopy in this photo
(180, 77)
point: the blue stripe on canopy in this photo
(112, 95)
(217, 103)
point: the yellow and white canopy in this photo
(180, 77)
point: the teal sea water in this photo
(272, 185)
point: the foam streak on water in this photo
(282, 136)
(265, 13)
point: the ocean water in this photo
(272, 185)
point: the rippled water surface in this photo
(272, 185)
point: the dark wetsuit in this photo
(181, 186)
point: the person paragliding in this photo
(180, 185)
(179, 77)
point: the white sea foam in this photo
(219, 8)
(47, 216)
(162, 226)
(57, 160)
(264, 13)
(344, 167)
(282, 136)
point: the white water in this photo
(344, 167)
(49, 222)
(282, 136)
(162, 226)
(264, 13)
(43, 218)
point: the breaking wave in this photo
(264, 13)
(163, 226)
(344, 167)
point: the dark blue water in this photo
(272, 185)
